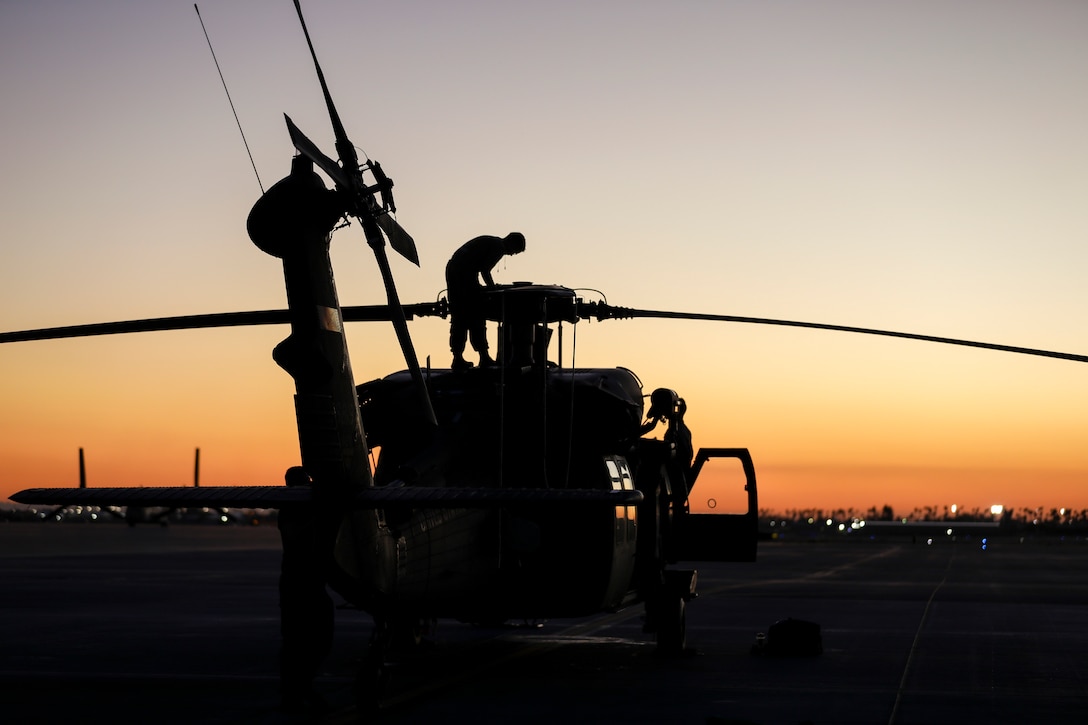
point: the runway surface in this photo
(106, 623)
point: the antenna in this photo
(229, 100)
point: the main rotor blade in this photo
(360, 313)
(603, 312)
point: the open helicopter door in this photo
(719, 522)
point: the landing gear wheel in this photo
(373, 674)
(408, 634)
(671, 625)
(371, 684)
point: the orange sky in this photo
(910, 167)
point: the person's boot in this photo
(460, 363)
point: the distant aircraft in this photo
(137, 514)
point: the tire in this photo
(672, 625)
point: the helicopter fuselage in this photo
(548, 430)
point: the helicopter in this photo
(520, 491)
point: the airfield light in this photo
(829, 522)
(842, 527)
(948, 532)
(997, 509)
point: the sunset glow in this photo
(911, 167)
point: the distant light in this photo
(997, 509)
(810, 519)
(773, 524)
(903, 520)
(224, 518)
(1062, 511)
(929, 542)
(829, 522)
(948, 532)
(953, 508)
(842, 527)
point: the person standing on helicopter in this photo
(474, 260)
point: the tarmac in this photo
(107, 623)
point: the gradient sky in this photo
(913, 166)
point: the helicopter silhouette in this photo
(526, 490)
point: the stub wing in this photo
(271, 497)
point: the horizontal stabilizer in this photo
(278, 496)
(418, 497)
(172, 496)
